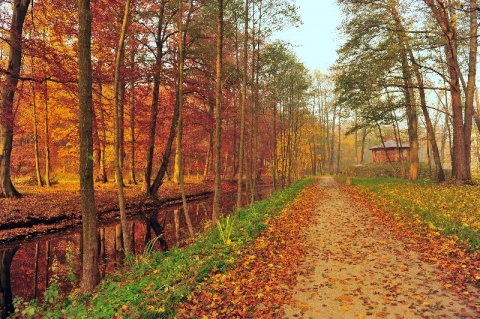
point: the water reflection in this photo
(6, 298)
(56, 258)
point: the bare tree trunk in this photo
(47, 139)
(364, 137)
(102, 168)
(132, 179)
(218, 116)
(35, 139)
(339, 140)
(155, 100)
(176, 222)
(179, 155)
(118, 118)
(241, 158)
(470, 90)
(332, 142)
(90, 274)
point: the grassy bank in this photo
(153, 284)
(450, 211)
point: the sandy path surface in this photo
(358, 269)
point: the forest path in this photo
(358, 268)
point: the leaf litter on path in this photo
(365, 267)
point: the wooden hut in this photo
(392, 150)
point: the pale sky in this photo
(315, 42)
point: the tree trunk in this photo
(155, 100)
(103, 142)
(179, 154)
(339, 140)
(440, 174)
(470, 90)
(47, 139)
(20, 8)
(241, 158)
(411, 110)
(362, 152)
(132, 179)
(90, 274)
(38, 174)
(218, 116)
(332, 142)
(118, 119)
(461, 142)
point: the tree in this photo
(446, 18)
(179, 157)
(160, 40)
(119, 61)
(218, 115)
(241, 157)
(8, 89)
(407, 53)
(90, 273)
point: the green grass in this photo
(152, 285)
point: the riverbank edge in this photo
(151, 285)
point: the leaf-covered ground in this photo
(438, 221)
(333, 254)
(43, 210)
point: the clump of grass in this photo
(225, 229)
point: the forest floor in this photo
(45, 210)
(332, 254)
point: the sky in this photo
(316, 40)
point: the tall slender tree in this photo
(218, 115)
(90, 273)
(119, 61)
(241, 157)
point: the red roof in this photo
(390, 144)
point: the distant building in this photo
(391, 150)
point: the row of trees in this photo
(400, 57)
(149, 89)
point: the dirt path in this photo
(358, 269)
